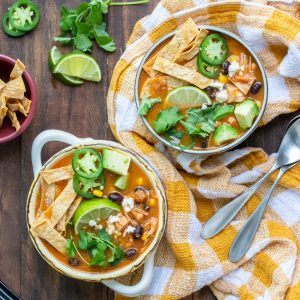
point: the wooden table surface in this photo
(81, 111)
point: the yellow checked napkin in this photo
(198, 187)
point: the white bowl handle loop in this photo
(141, 287)
(51, 135)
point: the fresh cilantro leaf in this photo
(98, 255)
(83, 241)
(103, 235)
(95, 16)
(166, 119)
(103, 40)
(70, 248)
(83, 43)
(65, 40)
(67, 21)
(190, 128)
(173, 132)
(118, 256)
(147, 104)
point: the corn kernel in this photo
(97, 193)
(152, 202)
(233, 58)
(258, 103)
(140, 181)
(223, 79)
(144, 237)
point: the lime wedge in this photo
(79, 65)
(95, 209)
(54, 57)
(188, 96)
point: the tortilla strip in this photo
(192, 64)
(26, 104)
(16, 105)
(58, 174)
(2, 84)
(185, 34)
(191, 50)
(14, 89)
(47, 195)
(18, 70)
(3, 109)
(167, 67)
(59, 207)
(63, 222)
(14, 120)
(48, 233)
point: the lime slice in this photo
(79, 65)
(188, 96)
(93, 210)
(54, 57)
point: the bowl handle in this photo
(141, 287)
(51, 135)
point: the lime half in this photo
(188, 96)
(79, 65)
(54, 57)
(95, 209)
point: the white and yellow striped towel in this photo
(199, 186)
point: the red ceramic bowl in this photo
(7, 132)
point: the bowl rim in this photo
(215, 150)
(33, 92)
(59, 266)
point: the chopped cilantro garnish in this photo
(147, 104)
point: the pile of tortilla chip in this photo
(177, 60)
(56, 207)
(12, 96)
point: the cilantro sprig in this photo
(83, 25)
(102, 250)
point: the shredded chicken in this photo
(150, 227)
(122, 223)
(140, 195)
(138, 214)
(234, 94)
(244, 78)
(131, 221)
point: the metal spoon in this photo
(245, 237)
(288, 153)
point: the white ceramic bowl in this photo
(107, 278)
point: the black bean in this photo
(130, 252)
(204, 143)
(226, 67)
(116, 197)
(146, 208)
(139, 230)
(210, 91)
(255, 87)
(74, 261)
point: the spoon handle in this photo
(246, 235)
(224, 215)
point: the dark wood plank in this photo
(81, 111)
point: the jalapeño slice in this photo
(84, 187)
(87, 163)
(24, 15)
(214, 49)
(206, 69)
(8, 29)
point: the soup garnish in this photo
(97, 210)
(200, 90)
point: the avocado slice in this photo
(121, 182)
(225, 133)
(115, 161)
(245, 113)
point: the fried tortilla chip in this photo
(58, 174)
(16, 105)
(183, 37)
(14, 120)
(14, 89)
(192, 64)
(167, 67)
(48, 233)
(18, 70)
(2, 84)
(192, 49)
(3, 109)
(59, 207)
(26, 104)
(47, 194)
(63, 222)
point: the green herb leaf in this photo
(147, 104)
(173, 132)
(103, 235)
(166, 119)
(83, 241)
(65, 40)
(70, 249)
(83, 43)
(103, 40)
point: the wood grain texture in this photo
(81, 111)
